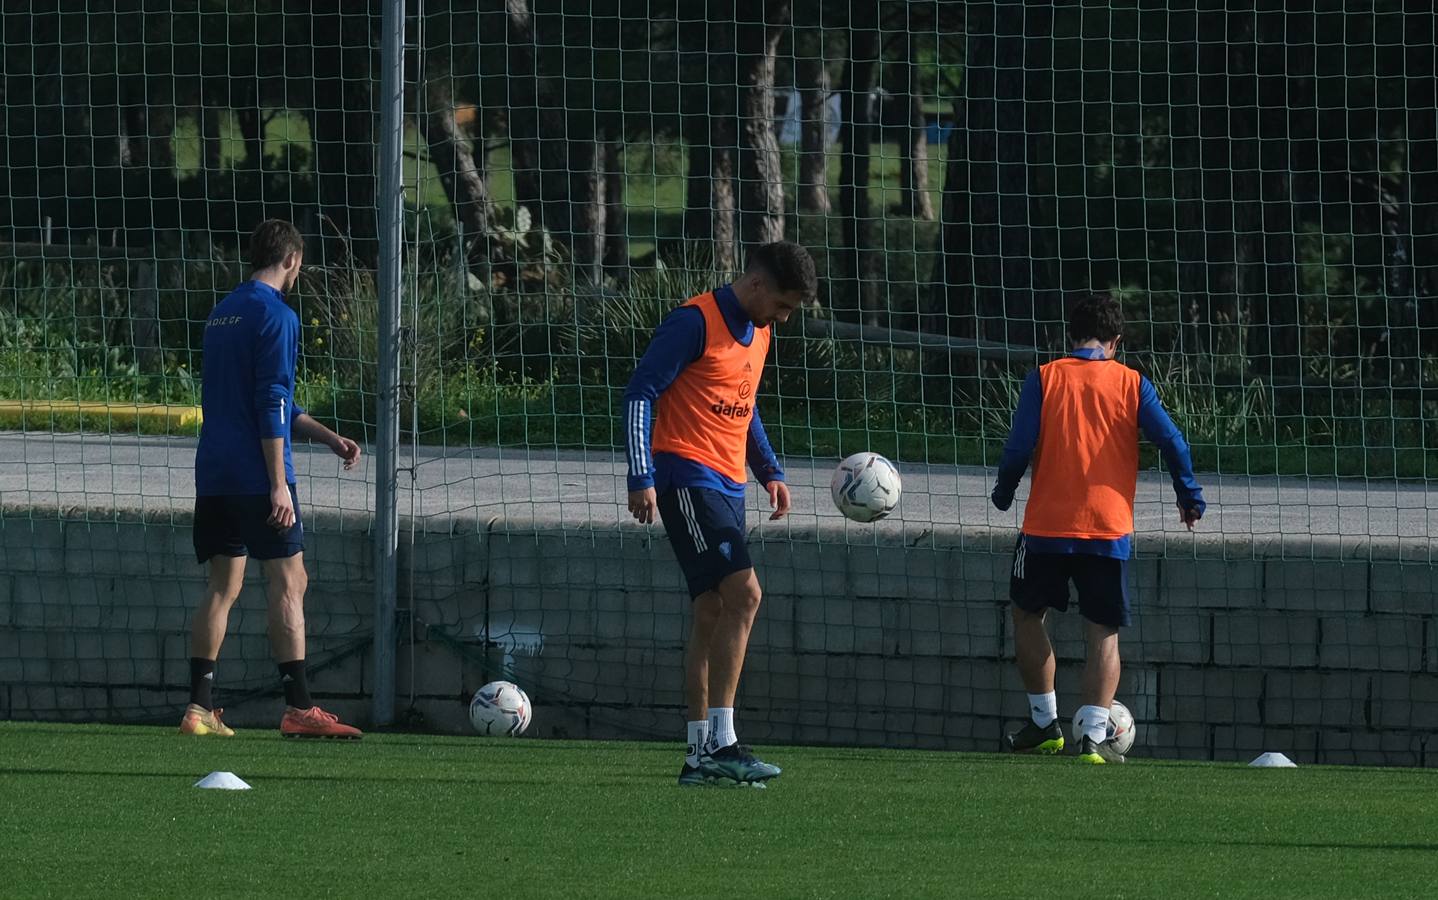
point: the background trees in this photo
(1258, 183)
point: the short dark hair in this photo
(1096, 317)
(272, 241)
(787, 264)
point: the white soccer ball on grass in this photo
(1121, 728)
(866, 487)
(500, 708)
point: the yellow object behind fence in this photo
(122, 415)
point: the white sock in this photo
(721, 727)
(1044, 708)
(698, 737)
(1092, 722)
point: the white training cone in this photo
(227, 781)
(1274, 761)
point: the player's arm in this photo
(275, 339)
(307, 427)
(766, 467)
(1158, 427)
(677, 342)
(1023, 438)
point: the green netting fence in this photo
(1259, 186)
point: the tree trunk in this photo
(698, 182)
(723, 135)
(856, 254)
(1421, 171)
(554, 166)
(128, 143)
(695, 95)
(571, 160)
(586, 151)
(914, 199)
(814, 88)
(1272, 343)
(616, 222)
(244, 94)
(252, 130)
(211, 155)
(984, 238)
(950, 306)
(761, 175)
(343, 124)
(523, 109)
(722, 201)
(159, 118)
(461, 169)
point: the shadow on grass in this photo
(1188, 843)
(479, 777)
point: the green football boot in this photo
(692, 776)
(1033, 739)
(736, 764)
(1098, 753)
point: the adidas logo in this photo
(748, 367)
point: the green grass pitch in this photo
(92, 810)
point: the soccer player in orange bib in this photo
(1079, 419)
(695, 388)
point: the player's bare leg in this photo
(705, 609)
(741, 595)
(212, 616)
(286, 583)
(1035, 656)
(207, 633)
(1100, 676)
(1033, 651)
(1100, 683)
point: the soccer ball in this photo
(500, 707)
(866, 487)
(1121, 728)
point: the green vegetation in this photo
(549, 370)
(546, 365)
(419, 815)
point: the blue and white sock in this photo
(1044, 708)
(698, 737)
(1092, 723)
(721, 728)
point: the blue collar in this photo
(1088, 353)
(740, 325)
(265, 290)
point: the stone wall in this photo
(1326, 653)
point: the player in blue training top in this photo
(245, 500)
(1079, 419)
(695, 386)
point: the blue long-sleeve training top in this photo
(252, 346)
(1153, 421)
(678, 341)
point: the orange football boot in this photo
(198, 720)
(316, 723)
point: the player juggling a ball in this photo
(692, 424)
(245, 499)
(1078, 420)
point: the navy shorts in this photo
(238, 525)
(706, 530)
(1041, 581)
